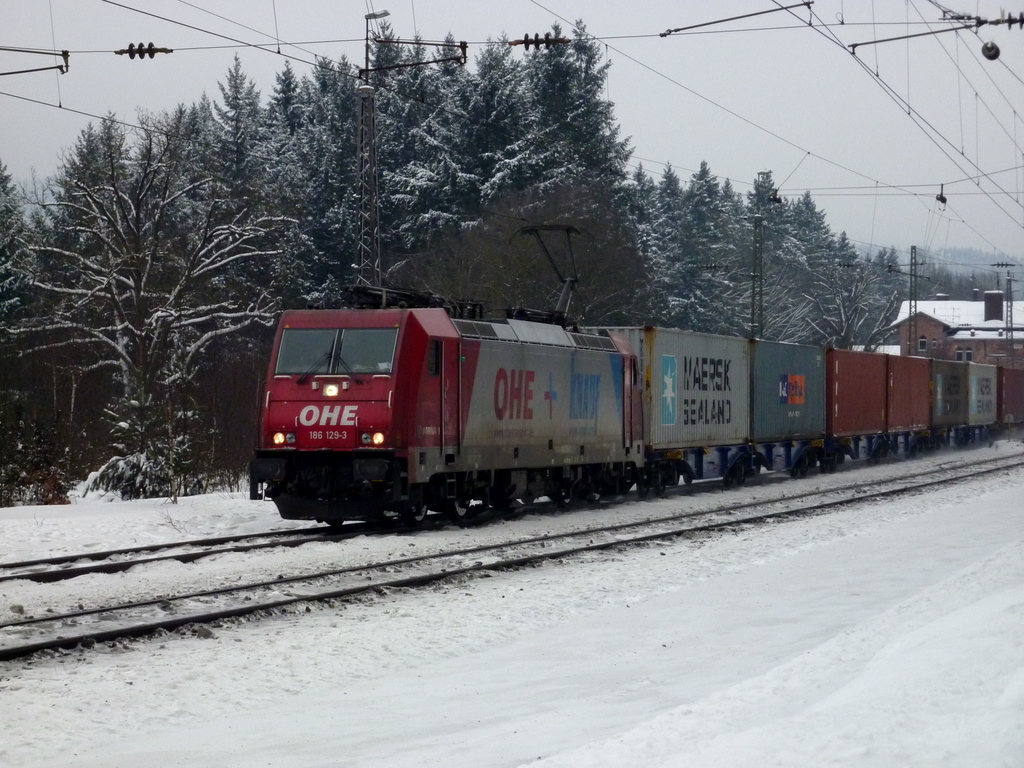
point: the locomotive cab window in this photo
(306, 351)
(312, 351)
(434, 358)
(365, 350)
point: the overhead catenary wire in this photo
(754, 124)
(737, 115)
(299, 59)
(933, 134)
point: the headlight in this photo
(372, 438)
(282, 438)
(331, 390)
(378, 438)
(365, 438)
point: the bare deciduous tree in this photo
(142, 264)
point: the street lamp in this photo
(365, 74)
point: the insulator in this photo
(990, 51)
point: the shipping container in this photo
(696, 387)
(950, 393)
(855, 393)
(982, 400)
(909, 397)
(788, 392)
(1010, 406)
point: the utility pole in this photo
(368, 262)
(757, 280)
(757, 257)
(1009, 317)
(368, 267)
(1009, 311)
(912, 325)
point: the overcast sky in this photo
(764, 93)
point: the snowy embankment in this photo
(886, 634)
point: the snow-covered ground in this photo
(886, 634)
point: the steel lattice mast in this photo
(368, 262)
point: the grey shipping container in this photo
(696, 387)
(788, 383)
(982, 404)
(950, 393)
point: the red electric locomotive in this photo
(385, 413)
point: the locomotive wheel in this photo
(659, 484)
(457, 511)
(563, 498)
(415, 514)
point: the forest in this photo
(139, 285)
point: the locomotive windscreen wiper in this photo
(347, 367)
(320, 361)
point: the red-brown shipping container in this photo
(855, 393)
(909, 401)
(1010, 408)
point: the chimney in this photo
(975, 294)
(993, 305)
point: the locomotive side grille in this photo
(585, 341)
(474, 330)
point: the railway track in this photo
(62, 567)
(59, 568)
(87, 627)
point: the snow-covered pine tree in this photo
(431, 193)
(502, 126)
(576, 122)
(326, 236)
(645, 217)
(12, 228)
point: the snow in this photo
(881, 634)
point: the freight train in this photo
(371, 414)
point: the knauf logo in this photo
(791, 389)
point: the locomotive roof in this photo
(437, 322)
(533, 333)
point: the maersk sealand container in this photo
(788, 386)
(696, 387)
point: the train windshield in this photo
(365, 350)
(311, 351)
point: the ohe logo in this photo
(329, 416)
